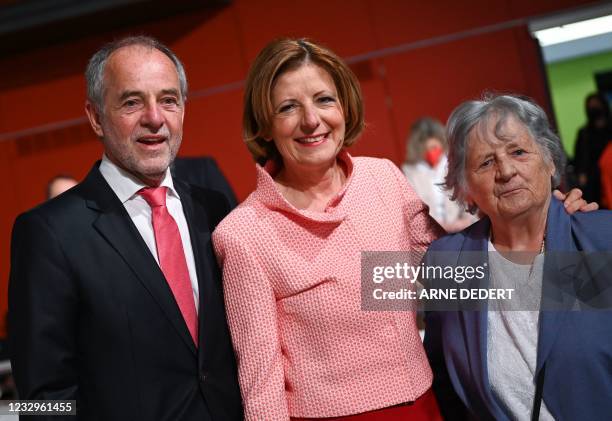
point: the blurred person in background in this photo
(605, 168)
(59, 184)
(425, 169)
(591, 141)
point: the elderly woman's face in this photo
(308, 122)
(506, 176)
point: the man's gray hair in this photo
(94, 74)
(473, 113)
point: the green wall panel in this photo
(570, 82)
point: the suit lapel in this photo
(116, 227)
(473, 253)
(198, 221)
(557, 297)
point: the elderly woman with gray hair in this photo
(504, 161)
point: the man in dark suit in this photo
(115, 298)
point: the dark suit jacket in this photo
(203, 172)
(92, 318)
(576, 346)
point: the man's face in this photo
(141, 124)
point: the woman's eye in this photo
(327, 99)
(486, 163)
(519, 152)
(285, 108)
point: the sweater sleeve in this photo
(252, 317)
(424, 229)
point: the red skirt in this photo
(425, 408)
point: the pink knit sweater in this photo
(292, 290)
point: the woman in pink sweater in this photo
(291, 252)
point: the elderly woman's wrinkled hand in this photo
(574, 202)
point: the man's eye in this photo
(519, 152)
(170, 101)
(130, 103)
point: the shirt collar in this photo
(125, 185)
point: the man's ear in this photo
(95, 119)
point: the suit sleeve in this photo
(252, 317)
(42, 313)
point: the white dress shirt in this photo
(512, 335)
(126, 188)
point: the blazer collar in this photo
(556, 279)
(211, 315)
(474, 252)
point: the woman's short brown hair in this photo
(278, 57)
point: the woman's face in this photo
(308, 122)
(506, 176)
(432, 143)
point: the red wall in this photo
(437, 64)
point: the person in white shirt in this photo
(425, 169)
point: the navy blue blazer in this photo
(576, 346)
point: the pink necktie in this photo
(171, 256)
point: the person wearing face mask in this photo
(425, 169)
(591, 142)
